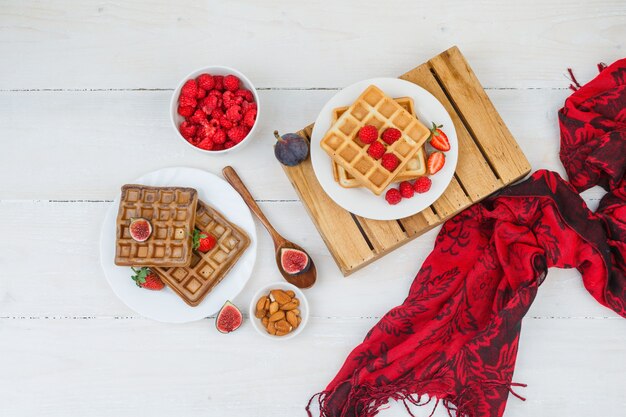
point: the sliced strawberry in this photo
(438, 139)
(435, 162)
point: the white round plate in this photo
(361, 201)
(166, 305)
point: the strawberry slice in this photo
(435, 162)
(438, 139)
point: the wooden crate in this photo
(489, 159)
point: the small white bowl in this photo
(303, 307)
(177, 119)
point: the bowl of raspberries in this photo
(215, 109)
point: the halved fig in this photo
(229, 318)
(294, 261)
(140, 229)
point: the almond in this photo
(296, 311)
(271, 329)
(266, 306)
(290, 305)
(292, 318)
(261, 303)
(279, 315)
(281, 296)
(283, 326)
(290, 293)
(273, 307)
(265, 321)
(259, 314)
(279, 333)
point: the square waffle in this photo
(375, 108)
(171, 211)
(413, 169)
(192, 283)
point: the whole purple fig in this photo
(291, 149)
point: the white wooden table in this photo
(84, 88)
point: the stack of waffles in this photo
(352, 166)
(174, 213)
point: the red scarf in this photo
(455, 337)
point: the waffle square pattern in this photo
(171, 211)
(192, 283)
(373, 107)
(413, 169)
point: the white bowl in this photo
(177, 119)
(303, 307)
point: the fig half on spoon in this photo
(300, 271)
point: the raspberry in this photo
(393, 196)
(218, 147)
(391, 135)
(189, 89)
(376, 150)
(217, 114)
(187, 101)
(249, 118)
(188, 130)
(219, 82)
(406, 189)
(231, 83)
(219, 137)
(199, 117)
(201, 93)
(368, 134)
(246, 106)
(215, 92)
(245, 94)
(209, 103)
(206, 144)
(226, 123)
(238, 133)
(206, 81)
(229, 99)
(205, 132)
(234, 114)
(390, 162)
(229, 144)
(422, 185)
(185, 111)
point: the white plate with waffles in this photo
(166, 305)
(360, 200)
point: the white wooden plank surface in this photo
(281, 43)
(84, 84)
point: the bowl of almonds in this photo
(279, 311)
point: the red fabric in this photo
(455, 337)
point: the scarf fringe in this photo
(368, 400)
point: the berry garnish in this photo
(390, 162)
(438, 139)
(147, 279)
(231, 83)
(422, 185)
(393, 196)
(406, 189)
(391, 135)
(203, 242)
(376, 150)
(435, 162)
(368, 134)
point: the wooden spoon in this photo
(303, 280)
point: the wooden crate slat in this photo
(383, 235)
(473, 171)
(451, 201)
(336, 225)
(479, 114)
(489, 159)
(420, 223)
